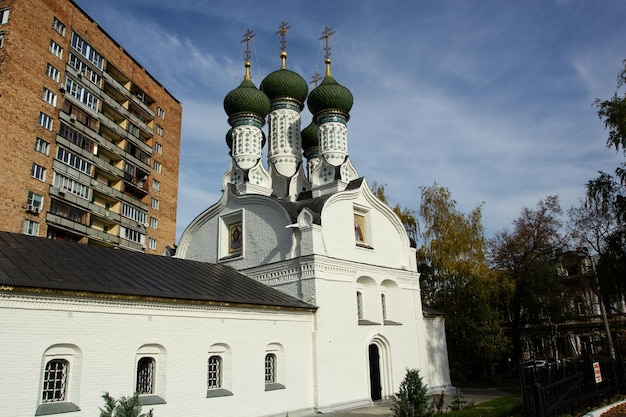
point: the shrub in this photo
(124, 407)
(412, 400)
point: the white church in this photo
(297, 293)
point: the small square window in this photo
(52, 72)
(157, 166)
(156, 185)
(49, 97)
(154, 203)
(42, 146)
(1, 40)
(45, 121)
(34, 202)
(161, 113)
(56, 49)
(37, 171)
(158, 148)
(58, 26)
(154, 223)
(32, 228)
(152, 243)
(159, 130)
(4, 16)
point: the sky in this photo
(491, 99)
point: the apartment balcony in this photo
(77, 75)
(124, 112)
(82, 229)
(129, 244)
(112, 192)
(126, 93)
(119, 130)
(85, 204)
(139, 184)
(70, 172)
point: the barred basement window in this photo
(55, 381)
(214, 378)
(145, 376)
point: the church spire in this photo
(246, 107)
(287, 92)
(330, 103)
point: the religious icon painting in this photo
(235, 237)
(359, 228)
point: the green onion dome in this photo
(309, 137)
(246, 99)
(284, 84)
(330, 96)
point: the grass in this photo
(510, 406)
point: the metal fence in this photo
(555, 389)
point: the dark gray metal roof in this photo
(37, 263)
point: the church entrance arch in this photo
(379, 369)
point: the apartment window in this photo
(157, 166)
(134, 213)
(85, 69)
(152, 243)
(81, 93)
(49, 97)
(133, 130)
(87, 51)
(68, 212)
(159, 130)
(64, 184)
(154, 223)
(68, 158)
(132, 235)
(52, 72)
(34, 203)
(58, 26)
(37, 171)
(45, 121)
(154, 203)
(158, 148)
(4, 16)
(42, 146)
(156, 185)
(1, 40)
(56, 49)
(145, 376)
(31, 228)
(161, 113)
(77, 138)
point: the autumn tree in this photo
(606, 197)
(406, 215)
(456, 279)
(527, 257)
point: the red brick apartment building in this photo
(89, 140)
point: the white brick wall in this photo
(109, 336)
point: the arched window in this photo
(359, 305)
(60, 380)
(218, 371)
(145, 375)
(274, 367)
(270, 368)
(214, 377)
(150, 374)
(383, 302)
(55, 381)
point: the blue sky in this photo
(492, 99)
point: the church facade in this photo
(297, 293)
(314, 230)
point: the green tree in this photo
(456, 279)
(606, 195)
(122, 407)
(412, 400)
(527, 257)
